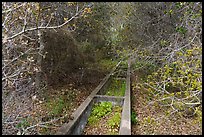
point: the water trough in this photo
(77, 125)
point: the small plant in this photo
(56, 107)
(149, 120)
(134, 119)
(23, 124)
(116, 88)
(181, 30)
(124, 64)
(99, 110)
(107, 64)
(123, 88)
(114, 122)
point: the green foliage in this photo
(101, 109)
(181, 30)
(181, 79)
(149, 120)
(145, 68)
(164, 43)
(98, 111)
(114, 122)
(138, 64)
(93, 120)
(94, 30)
(179, 4)
(116, 88)
(107, 64)
(86, 47)
(124, 64)
(100, 31)
(134, 119)
(56, 106)
(23, 124)
(144, 65)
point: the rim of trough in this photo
(65, 128)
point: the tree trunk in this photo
(39, 61)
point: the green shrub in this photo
(179, 80)
(56, 106)
(134, 119)
(98, 111)
(116, 88)
(23, 124)
(114, 122)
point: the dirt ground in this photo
(173, 125)
(29, 114)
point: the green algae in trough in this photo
(104, 119)
(116, 88)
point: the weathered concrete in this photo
(125, 126)
(103, 90)
(120, 73)
(115, 100)
(76, 125)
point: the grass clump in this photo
(116, 88)
(134, 119)
(99, 110)
(57, 107)
(114, 122)
(23, 124)
(107, 64)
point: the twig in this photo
(17, 57)
(42, 124)
(38, 28)
(9, 10)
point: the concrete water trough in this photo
(77, 125)
(120, 72)
(114, 87)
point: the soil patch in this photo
(46, 112)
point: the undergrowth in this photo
(98, 111)
(116, 88)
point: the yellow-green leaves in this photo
(65, 19)
(181, 30)
(163, 43)
(87, 10)
(170, 11)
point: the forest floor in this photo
(152, 119)
(45, 113)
